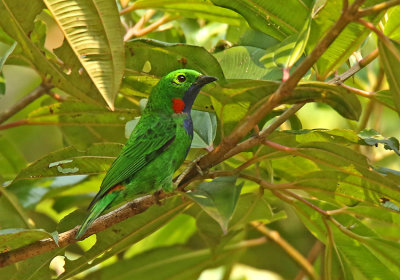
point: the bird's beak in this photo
(203, 80)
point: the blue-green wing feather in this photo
(151, 137)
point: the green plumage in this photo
(157, 146)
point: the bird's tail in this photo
(98, 208)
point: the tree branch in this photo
(227, 147)
(285, 89)
(25, 101)
(64, 239)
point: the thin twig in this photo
(289, 249)
(138, 32)
(377, 8)
(328, 252)
(13, 124)
(382, 37)
(312, 257)
(355, 68)
(25, 101)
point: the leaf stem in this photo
(311, 257)
(355, 68)
(328, 252)
(378, 8)
(24, 217)
(25, 101)
(289, 249)
(138, 32)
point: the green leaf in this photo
(254, 207)
(11, 159)
(70, 161)
(243, 62)
(218, 199)
(173, 56)
(204, 129)
(19, 25)
(235, 98)
(372, 137)
(385, 97)
(367, 254)
(3, 60)
(80, 114)
(392, 26)
(16, 214)
(94, 32)
(271, 17)
(119, 237)
(174, 262)
(390, 57)
(192, 9)
(37, 267)
(290, 50)
(348, 41)
(178, 231)
(346, 175)
(13, 238)
(84, 124)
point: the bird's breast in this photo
(185, 121)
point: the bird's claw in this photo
(156, 196)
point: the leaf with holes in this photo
(93, 30)
(372, 137)
(70, 161)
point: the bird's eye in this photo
(181, 78)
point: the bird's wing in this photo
(150, 138)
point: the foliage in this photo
(330, 174)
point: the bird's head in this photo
(178, 90)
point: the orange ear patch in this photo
(178, 105)
(116, 188)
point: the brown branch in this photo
(285, 89)
(289, 249)
(129, 9)
(138, 32)
(25, 101)
(13, 124)
(312, 257)
(355, 68)
(216, 156)
(377, 8)
(42, 246)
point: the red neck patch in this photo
(178, 105)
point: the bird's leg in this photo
(156, 196)
(192, 164)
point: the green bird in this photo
(156, 147)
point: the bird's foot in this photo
(156, 196)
